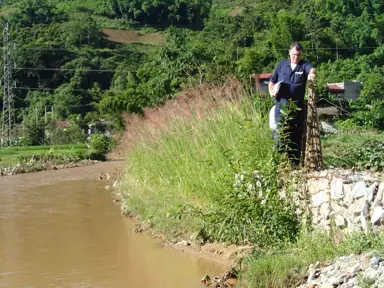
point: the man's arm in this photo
(272, 80)
(270, 89)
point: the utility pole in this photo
(46, 112)
(23, 111)
(8, 125)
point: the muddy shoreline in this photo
(228, 256)
(43, 166)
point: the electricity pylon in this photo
(8, 124)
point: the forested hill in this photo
(65, 58)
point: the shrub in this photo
(99, 147)
(252, 210)
(350, 125)
(370, 115)
(369, 156)
(68, 135)
(35, 134)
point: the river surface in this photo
(61, 229)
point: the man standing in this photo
(291, 78)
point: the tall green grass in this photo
(192, 161)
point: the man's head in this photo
(295, 52)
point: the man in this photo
(291, 78)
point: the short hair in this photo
(296, 45)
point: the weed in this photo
(362, 151)
(365, 282)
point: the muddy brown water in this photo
(61, 229)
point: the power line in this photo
(116, 49)
(64, 49)
(50, 106)
(54, 89)
(83, 90)
(71, 69)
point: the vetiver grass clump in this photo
(204, 166)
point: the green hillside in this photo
(93, 58)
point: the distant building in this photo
(63, 124)
(345, 90)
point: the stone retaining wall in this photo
(352, 201)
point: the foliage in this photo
(369, 156)
(165, 12)
(99, 146)
(349, 126)
(251, 210)
(35, 134)
(69, 135)
(361, 150)
(33, 12)
(371, 115)
(65, 58)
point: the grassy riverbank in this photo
(203, 168)
(207, 170)
(37, 158)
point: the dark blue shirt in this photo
(294, 81)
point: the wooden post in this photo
(313, 158)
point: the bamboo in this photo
(313, 158)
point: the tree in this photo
(32, 12)
(163, 12)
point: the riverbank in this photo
(200, 172)
(27, 159)
(50, 177)
(37, 166)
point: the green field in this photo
(36, 150)
(10, 156)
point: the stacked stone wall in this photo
(352, 201)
